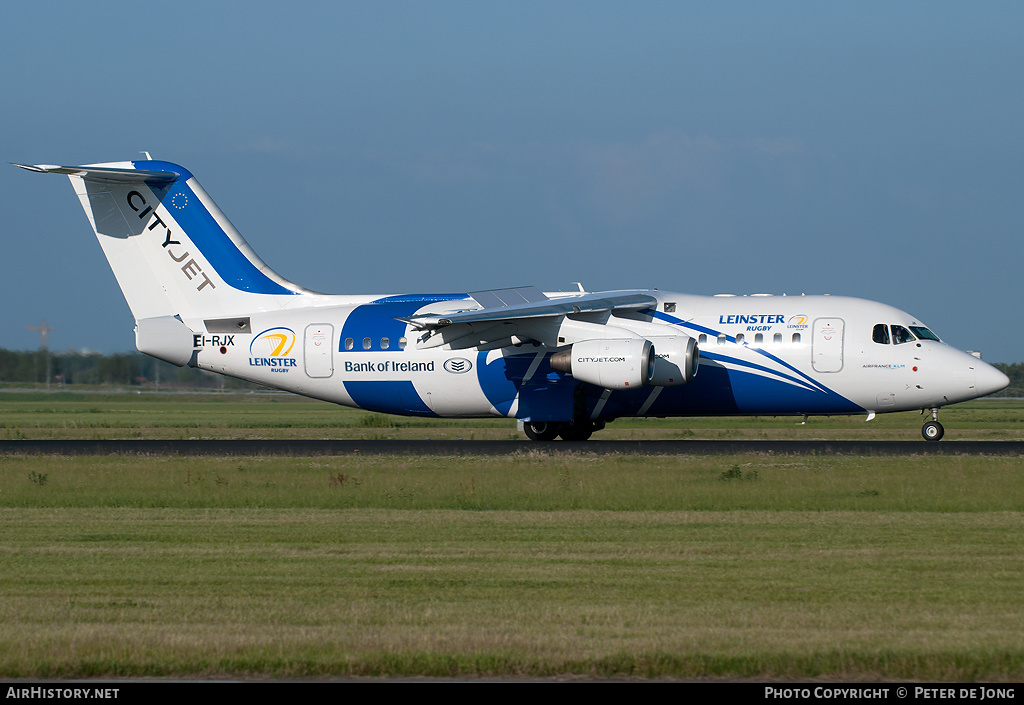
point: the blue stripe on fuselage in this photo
(419, 298)
(719, 391)
(732, 360)
(732, 339)
(503, 379)
(716, 389)
(389, 397)
(377, 321)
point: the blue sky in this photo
(864, 149)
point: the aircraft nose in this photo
(988, 379)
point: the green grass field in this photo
(535, 564)
(96, 415)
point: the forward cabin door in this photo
(319, 347)
(827, 346)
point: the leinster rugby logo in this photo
(458, 365)
(271, 349)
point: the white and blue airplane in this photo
(562, 364)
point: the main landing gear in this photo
(933, 430)
(579, 428)
(567, 431)
(542, 431)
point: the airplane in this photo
(562, 364)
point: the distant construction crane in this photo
(44, 330)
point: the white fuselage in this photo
(758, 355)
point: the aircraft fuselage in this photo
(758, 355)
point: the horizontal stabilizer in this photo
(98, 173)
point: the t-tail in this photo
(174, 253)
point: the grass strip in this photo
(289, 592)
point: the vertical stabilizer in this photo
(172, 250)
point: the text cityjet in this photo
(191, 269)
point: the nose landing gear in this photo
(933, 430)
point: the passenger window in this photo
(366, 343)
(758, 338)
(722, 340)
(348, 343)
(401, 343)
(777, 338)
(384, 343)
(702, 339)
(796, 338)
(901, 335)
(739, 339)
(880, 334)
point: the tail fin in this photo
(172, 250)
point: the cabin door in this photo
(319, 350)
(827, 346)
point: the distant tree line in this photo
(1016, 374)
(121, 369)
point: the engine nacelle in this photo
(676, 360)
(612, 364)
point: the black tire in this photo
(932, 431)
(576, 432)
(542, 431)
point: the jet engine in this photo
(676, 360)
(612, 364)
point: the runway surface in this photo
(305, 448)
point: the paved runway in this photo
(306, 448)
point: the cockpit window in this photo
(880, 334)
(901, 335)
(924, 334)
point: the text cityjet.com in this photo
(63, 693)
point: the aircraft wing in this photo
(499, 305)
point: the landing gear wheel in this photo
(932, 431)
(576, 431)
(542, 431)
